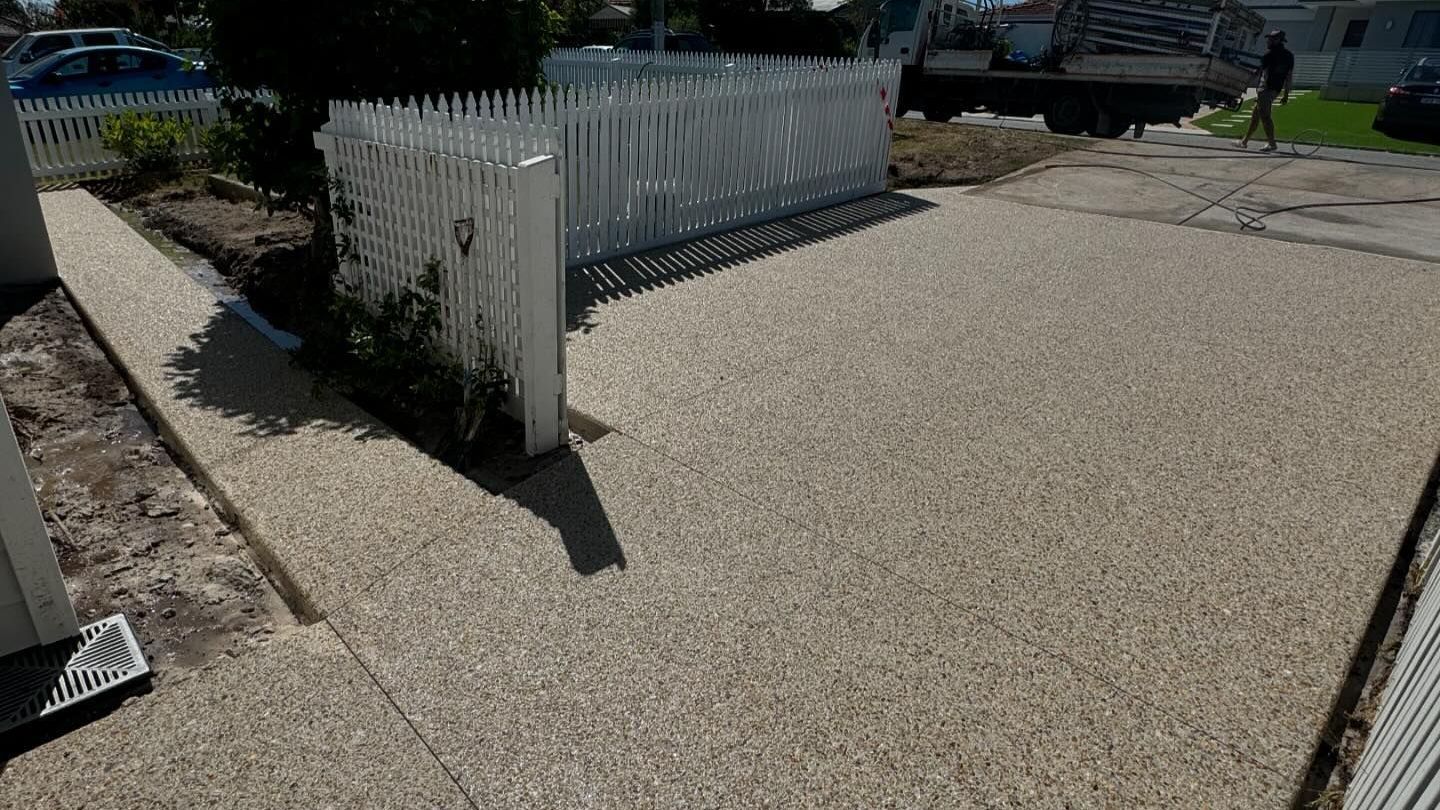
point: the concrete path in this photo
(1148, 451)
(1200, 187)
(926, 500)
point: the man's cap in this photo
(1276, 34)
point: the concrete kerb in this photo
(185, 454)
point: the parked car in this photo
(93, 71)
(1412, 106)
(645, 41)
(37, 45)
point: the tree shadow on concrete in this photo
(232, 370)
(564, 496)
(589, 286)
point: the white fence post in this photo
(539, 242)
(34, 607)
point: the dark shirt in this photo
(1277, 64)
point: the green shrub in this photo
(146, 142)
(390, 356)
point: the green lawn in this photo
(1337, 123)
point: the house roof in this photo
(1031, 8)
(613, 11)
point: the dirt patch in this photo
(264, 257)
(132, 532)
(927, 154)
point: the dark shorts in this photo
(1263, 102)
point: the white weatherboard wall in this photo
(34, 607)
(62, 135)
(495, 229)
(662, 160)
(1400, 768)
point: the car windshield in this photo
(1424, 73)
(14, 49)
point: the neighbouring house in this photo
(10, 30)
(613, 18)
(1353, 49)
(1030, 25)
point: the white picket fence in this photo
(566, 66)
(666, 159)
(62, 135)
(495, 228)
(1400, 767)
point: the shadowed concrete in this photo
(1175, 462)
(739, 660)
(326, 495)
(1235, 178)
(300, 725)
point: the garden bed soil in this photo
(931, 154)
(132, 532)
(264, 257)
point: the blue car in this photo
(101, 70)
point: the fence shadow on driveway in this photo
(589, 286)
(231, 369)
(564, 496)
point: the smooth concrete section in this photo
(1233, 178)
(300, 725)
(737, 660)
(327, 497)
(1408, 231)
(1073, 182)
(1181, 463)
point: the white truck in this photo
(1110, 64)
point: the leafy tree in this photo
(573, 20)
(757, 26)
(310, 52)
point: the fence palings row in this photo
(62, 135)
(657, 161)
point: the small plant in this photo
(390, 356)
(145, 141)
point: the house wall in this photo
(1397, 15)
(1341, 20)
(1305, 28)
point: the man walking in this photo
(1276, 68)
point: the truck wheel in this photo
(1070, 115)
(938, 112)
(1115, 127)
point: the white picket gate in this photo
(566, 66)
(62, 135)
(495, 228)
(662, 160)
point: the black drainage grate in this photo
(40, 681)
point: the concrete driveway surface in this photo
(1198, 187)
(928, 500)
(1179, 465)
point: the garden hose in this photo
(1250, 219)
